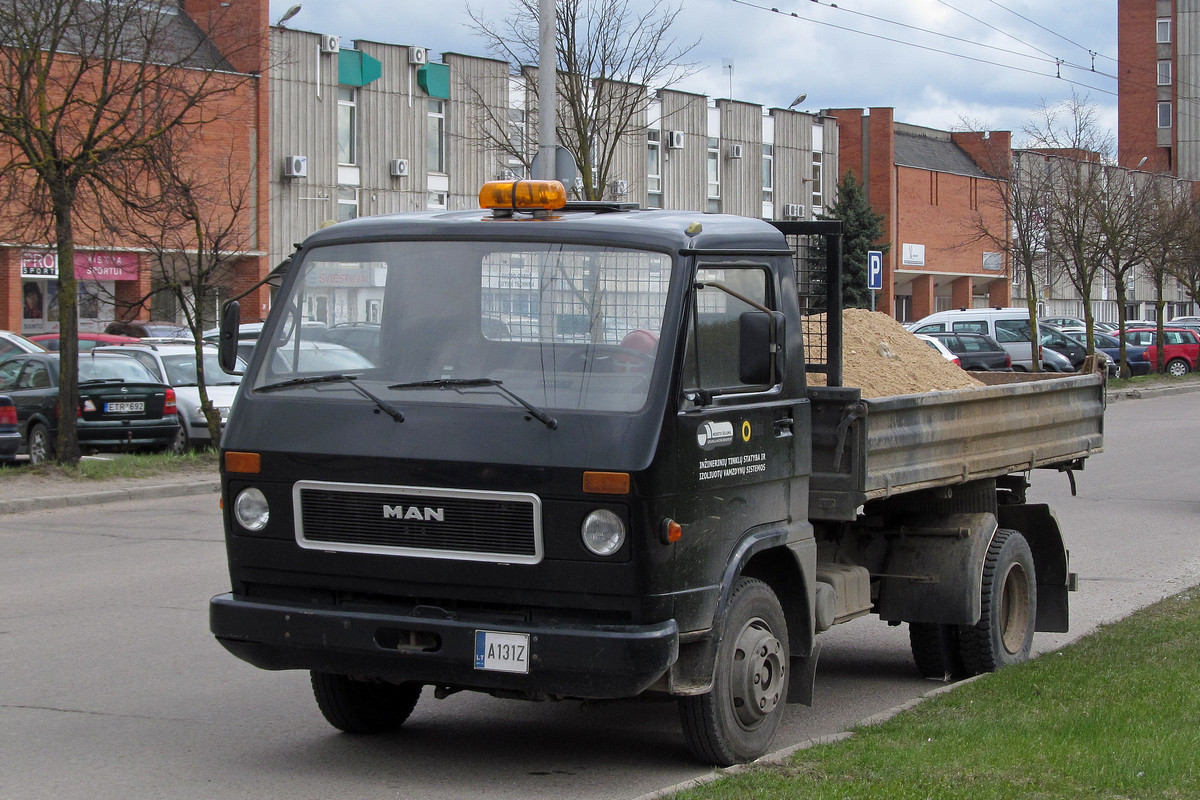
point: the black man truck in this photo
(552, 450)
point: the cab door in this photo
(738, 473)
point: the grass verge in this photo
(1114, 715)
(122, 465)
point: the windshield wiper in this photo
(467, 383)
(335, 378)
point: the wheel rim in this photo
(37, 446)
(757, 674)
(1177, 368)
(1015, 610)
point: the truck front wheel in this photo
(737, 720)
(1004, 633)
(356, 706)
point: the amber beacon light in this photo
(512, 196)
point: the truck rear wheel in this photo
(737, 720)
(1004, 633)
(356, 706)
(935, 648)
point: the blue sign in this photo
(875, 269)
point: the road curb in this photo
(25, 504)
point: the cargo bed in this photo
(865, 450)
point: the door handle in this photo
(783, 427)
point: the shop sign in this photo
(88, 266)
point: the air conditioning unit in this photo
(793, 211)
(330, 43)
(619, 188)
(675, 140)
(734, 151)
(418, 55)
(398, 168)
(295, 166)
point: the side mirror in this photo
(760, 347)
(227, 344)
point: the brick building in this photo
(932, 189)
(1158, 86)
(115, 272)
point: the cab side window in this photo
(9, 371)
(711, 359)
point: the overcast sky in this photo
(937, 62)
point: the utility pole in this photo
(547, 98)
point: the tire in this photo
(935, 648)
(1178, 367)
(366, 707)
(736, 722)
(180, 444)
(40, 447)
(1004, 633)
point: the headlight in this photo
(251, 510)
(603, 532)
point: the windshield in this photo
(561, 326)
(118, 368)
(181, 369)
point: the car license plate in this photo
(502, 652)
(124, 408)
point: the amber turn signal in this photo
(606, 482)
(250, 463)
(670, 531)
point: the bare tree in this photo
(1019, 195)
(609, 57)
(1169, 225)
(1075, 148)
(195, 223)
(87, 87)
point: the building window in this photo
(435, 139)
(1164, 73)
(347, 203)
(437, 201)
(347, 126)
(818, 181)
(518, 140)
(768, 173)
(1163, 30)
(1164, 115)
(714, 174)
(654, 198)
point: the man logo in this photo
(412, 512)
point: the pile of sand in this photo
(883, 359)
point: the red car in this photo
(87, 340)
(1181, 348)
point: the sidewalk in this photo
(19, 496)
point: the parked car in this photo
(1181, 347)
(1135, 355)
(10, 435)
(1174, 321)
(976, 351)
(362, 337)
(1063, 322)
(148, 330)
(1008, 326)
(315, 356)
(13, 343)
(175, 364)
(1105, 327)
(941, 349)
(87, 340)
(121, 405)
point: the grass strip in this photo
(1114, 715)
(122, 465)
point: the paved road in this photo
(111, 686)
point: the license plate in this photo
(123, 408)
(502, 652)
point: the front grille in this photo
(417, 521)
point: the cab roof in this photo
(655, 229)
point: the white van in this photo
(1008, 326)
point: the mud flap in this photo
(803, 679)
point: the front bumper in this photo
(593, 661)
